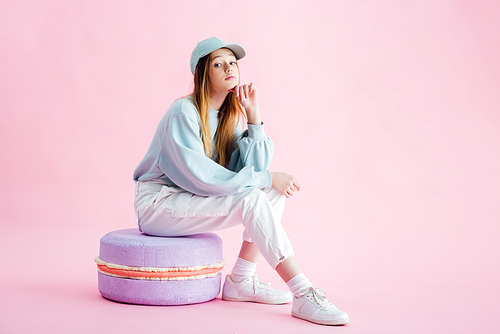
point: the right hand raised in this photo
(284, 183)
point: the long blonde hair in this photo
(229, 114)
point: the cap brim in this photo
(238, 50)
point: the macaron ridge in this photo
(160, 274)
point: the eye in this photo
(232, 63)
(217, 65)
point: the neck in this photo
(217, 98)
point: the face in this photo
(224, 73)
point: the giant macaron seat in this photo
(139, 269)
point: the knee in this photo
(274, 196)
(254, 196)
(257, 201)
(253, 199)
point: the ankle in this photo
(242, 269)
(299, 285)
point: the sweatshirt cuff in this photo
(264, 180)
(256, 132)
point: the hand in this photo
(247, 95)
(284, 183)
(249, 98)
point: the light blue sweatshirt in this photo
(176, 155)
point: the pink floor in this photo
(50, 286)
(77, 307)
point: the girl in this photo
(202, 173)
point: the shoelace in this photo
(319, 296)
(257, 281)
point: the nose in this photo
(229, 69)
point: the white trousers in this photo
(162, 210)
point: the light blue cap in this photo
(211, 44)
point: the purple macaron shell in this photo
(132, 248)
(159, 292)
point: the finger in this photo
(296, 183)
(245, 89)
(252, 87)
(242, 93)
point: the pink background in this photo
(386, 111)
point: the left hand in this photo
(247, 95)
(284, 183)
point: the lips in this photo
(231, 77)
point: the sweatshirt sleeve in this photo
(254, 148)
(183, 160)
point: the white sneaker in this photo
(251, 289)
(314, 307)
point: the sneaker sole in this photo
(257, 300)
(336, 322)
